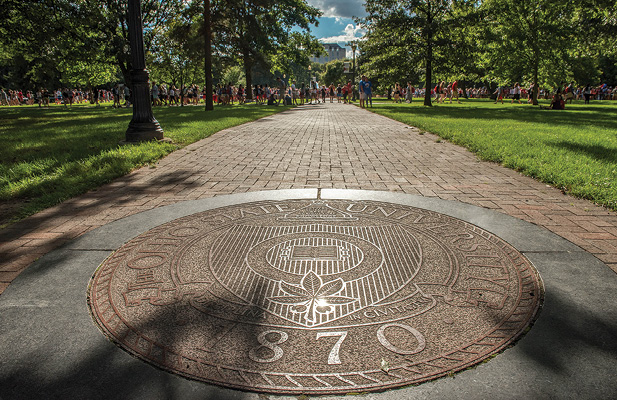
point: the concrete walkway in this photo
(321, 146)
(51, 348)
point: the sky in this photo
(337, 24)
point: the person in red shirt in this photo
(347, 90)
(454, 92)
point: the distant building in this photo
(333, 52)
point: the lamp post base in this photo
(143, 126)
(144, 131)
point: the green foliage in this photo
(334, 73)
(574, 150)
(256, 32)
(234, 75)
(294, 55)
(64, 42)
(496, 41)
(527, 41)
(177, 51)
(407, 35)
(85, 42)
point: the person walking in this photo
(155, 94)
(281, 86)
(499, 94)
(294, 93)
(368, 91)
(397, 93)
(409, 93)
(361, 91)
(454, 92)
(516, 93)
(587, 93)
(127, 96)
(4, 98)
(302, 94)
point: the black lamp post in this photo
(353, 73)
(143, 126)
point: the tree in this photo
(411, 32)
(294, 56)
(528, 40)
(334, 73)
(234, 75)
(63, 39)
(176, 53)
(109, 19)
(386, 58)
(259, 31)
(595, 56)
(37, 37)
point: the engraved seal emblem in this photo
(315, 296)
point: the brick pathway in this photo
(323, 146)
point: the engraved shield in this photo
(318, 271)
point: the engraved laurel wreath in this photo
(312, 296)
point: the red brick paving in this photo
(325, 146)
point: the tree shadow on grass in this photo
(100, 199)
(596, 151)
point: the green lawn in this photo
(574, 150)
(50, 155)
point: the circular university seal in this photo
(312, 296)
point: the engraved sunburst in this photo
(312, 296)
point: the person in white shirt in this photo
(516, 93)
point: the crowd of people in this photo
(299, 94)
(313, 93)
(44, 97)
(264, 94)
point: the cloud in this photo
(351, 32)
(340, 8)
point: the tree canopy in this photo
(493, 42)
(85, 42)
(540, 42)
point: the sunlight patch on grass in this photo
(574, 150)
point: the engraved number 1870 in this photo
(333, 357)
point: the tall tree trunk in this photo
(429, 61)
(182, 87)
(536, 59)
(208, 56)
(428, 73)
(246, 55)
(248, 66)
(536, 89)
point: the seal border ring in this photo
(381, 386)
